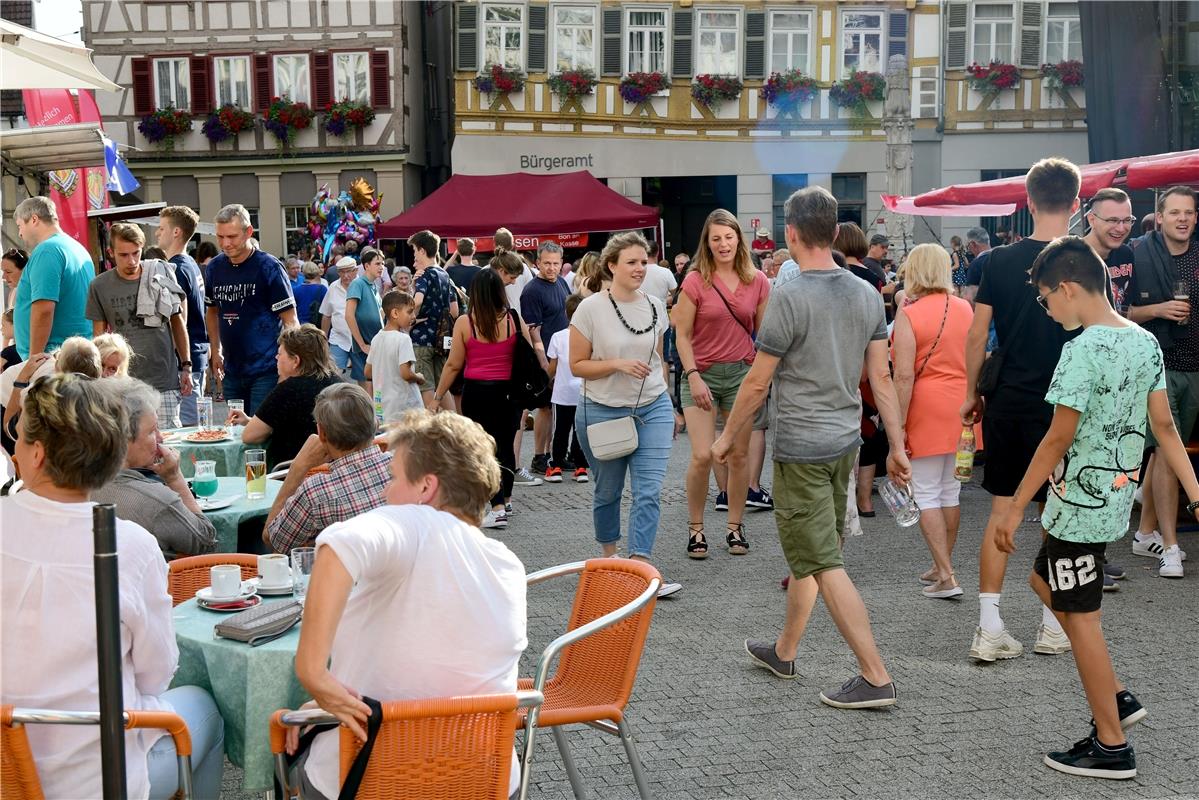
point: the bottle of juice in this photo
(378, 406)
(963, 467)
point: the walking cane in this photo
(108, 651)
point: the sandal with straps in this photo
(697, 545)
(737, 543)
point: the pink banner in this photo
(68, 187)
(97, 177)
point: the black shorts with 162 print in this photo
(1074, 572)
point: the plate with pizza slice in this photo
(209, 436)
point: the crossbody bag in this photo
(733, 313)
(616, 438)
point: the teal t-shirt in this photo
(59, 269)
(369, 314)
(1106, 374)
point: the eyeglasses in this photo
(1126, 221)
(1043, 299)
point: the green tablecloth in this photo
(247, 683)
(226, 520)
(229, 455)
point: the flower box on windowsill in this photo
(164, 125)
(711, 91)
(639, 89)
(499, 82)
(789, 92)
(992, 80)
(226, 123)
(858, 91)
(284, 119)
(345, 117)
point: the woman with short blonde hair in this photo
(115, 354)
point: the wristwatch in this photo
(185, 363)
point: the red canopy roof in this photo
(1011, 190)
(524, 203)
(1163, 170)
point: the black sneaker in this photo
(1089, 759)
(1114, 571)
(1129, 708)
(722, 501)
(540, 462)
(1109, 583)
(759, 498)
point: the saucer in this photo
(213, 503)
(263, 589)
(247, 590)
(231, 606)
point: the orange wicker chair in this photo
(186, 576)
(448, 748)
(18, 773)
(601, 650)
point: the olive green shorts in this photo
(1182, 389)
(724, 381)
(809, 510)
(430, 361)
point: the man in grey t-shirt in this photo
(819, 330)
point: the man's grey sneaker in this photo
(992, 646)
(522, 477)
(857, 692)
(1089, 759)
(1109, 583)
(667, 589)
(1115, 571)
(764, 655)
(722, 501)
(759, 498)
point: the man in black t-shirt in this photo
(1017, 416)
(1110, 218)
(978, 241)
(875, 255)
(462, 267)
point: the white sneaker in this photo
(1151, 546)
(1171, 564)
(992, 646)
(495, 519)
(522, 477)
(667, 589)
(1051, 643)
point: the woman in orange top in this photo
(929, 358)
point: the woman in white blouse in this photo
(72, 439)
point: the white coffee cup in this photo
(274, 570)
(225, 580)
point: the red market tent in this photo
(1011, 190)
(1167, 169)
(524, 203)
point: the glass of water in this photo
(204, 412)
(900, 503)
(235, 406)
(302, 560)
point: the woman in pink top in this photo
(484, 342)
(719, 308)
(929, 358)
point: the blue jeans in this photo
(207, 731)
(646, 466)
(251, 391)
(188, 413)
(341, 358)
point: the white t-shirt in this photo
(48, 628)
(566, 386)
(517, 287)
(389, 350)
(659, 282)
(437, 609)
(334, 307)
(599, 324)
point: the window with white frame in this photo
(503, 35)
(350, 77)
(645, 31)
(1063, 36)
(716, 51)
(232, 80)
(790, 40)
(295, 229)
(861, 42)
(171, 83)
(994, 33)
(574, 37)
(291, 78)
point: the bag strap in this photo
(349, 789)
(732, 313)
(936, 341)
(652, 349)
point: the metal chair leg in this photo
(572, 772)
(626, 736)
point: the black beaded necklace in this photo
(653, 322)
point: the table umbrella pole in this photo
(108, 651)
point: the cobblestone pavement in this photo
(710, 725)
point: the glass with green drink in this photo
(204, 484)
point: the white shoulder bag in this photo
(616, 438)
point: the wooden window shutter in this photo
(755, 44)
(322, 80)
(262, 81)
(957, 20)
(466, 56)
(380, 79)
(681, 62)
(536, 57)
(1030, 34)
(143, 87)
(897, 34)
(611, 22)
(200, 69)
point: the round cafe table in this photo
(247, 683)
(226, 520)
(229, 455)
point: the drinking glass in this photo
(1182, 291)
(900, 503)
(235, 406)
(204, 412)
(255, 474)
(204, 484)
(302, 559)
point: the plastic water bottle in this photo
(900, 503)
(963, 464)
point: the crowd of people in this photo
(1054, 351)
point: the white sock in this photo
(1141, 535)
(988, 613)
(1049, 621)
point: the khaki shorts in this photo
(430, 361)
(1183, 390)
(809, 510)
(724, 381)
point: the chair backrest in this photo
(604, 664)
(18, 773)
(439, 749)
(186, 576)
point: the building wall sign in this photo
(550, 163)
(486, 244)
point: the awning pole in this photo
(108, 651)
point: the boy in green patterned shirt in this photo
(1107, 382)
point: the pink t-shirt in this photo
(717, 338)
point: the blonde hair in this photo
(455, 449)
(81, 424)
(781, 255)
(611, 254)
(127, 232)
(109, 343)
(926, 270)
(80, 355)
(705, 262)
(588, 265)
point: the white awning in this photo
(32, 150)
(33, 60)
